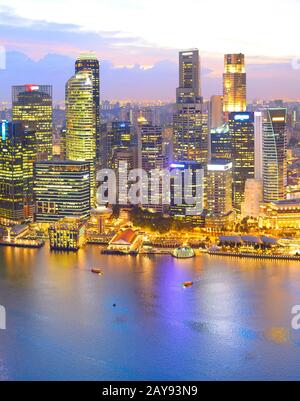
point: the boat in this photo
(183, 252)
(97, 271)
(187, 284)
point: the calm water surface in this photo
(234, 323)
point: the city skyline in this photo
(132, 61)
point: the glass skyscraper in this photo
(234, 83)
(17, 155)
(241, 127)
(89, 61)
(274, 154)
(81, 123)
(32, 105)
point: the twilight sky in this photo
(137, 42)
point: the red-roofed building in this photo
(126, 241)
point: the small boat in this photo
(97, 271)
(187, 284)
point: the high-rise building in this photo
(274, 154)
(151, 158)
(216, 117)
(190, 139)
(241, 126)
(219, 187)
(221, 147)
(258, 145)
(88, 61)
(32, 105)
(119, 138)
(62, 189)
(17, 155)
(234, 83)
(81, 123)
(184, 186)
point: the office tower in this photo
(258, 145)
(123, 161)
(253, 198)
(151, 158)
(62, 189)
(216, 117)
(17, 155)
(241, 126)
(118, 137)
(274, 154)
(221, 147)
(182, 186)
(89, 62)
(32, 105)
(190, 140)
(219, 187)
(234, 83)
(81, 123)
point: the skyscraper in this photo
(274, 154)
(216, 117)
(32, 105)
(119, 138)
(151, 159)
(190, 139)
(17, 155)
(234, 83)
(62, 189)
(221, 146)
(219, 187)
(81, 123)
(241, 127)
(258, 139)
(89, 61)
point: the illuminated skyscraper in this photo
(32, 105)
(258, 139)
(152, 158)
(219, 187)
(17, 155)
(221, 146)
(190, 139)
(81, 123)
(241, 126)
(234, 83)
(274, 154)
(62, 189)
(89, 61)
(119, 138)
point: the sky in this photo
(137, 42)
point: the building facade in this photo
(81, 123)
(234, 83)
(62, 189)
(241, 126)
(89, 62)
(17, 156)
(32, 105)
(190, 139)
(274, 154)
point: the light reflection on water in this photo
(234, 323)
